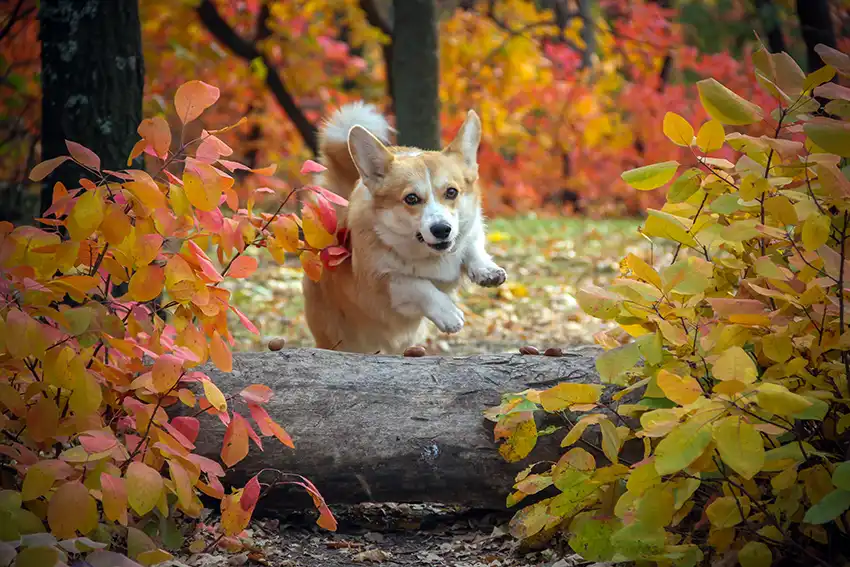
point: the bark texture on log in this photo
(388, 428)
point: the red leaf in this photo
(254, 437)
(327, 214)
(242, 267)
(46, 167)
(311, 166)
(333, 256)
(245, 321)
(97, 441)
(83, 155)
(329, 195)
(250, 494)
(257, 393)
(268, 426)
(188, 426)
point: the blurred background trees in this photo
(571, 92)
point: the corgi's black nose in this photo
(441, 230)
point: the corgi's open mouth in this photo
(444, 245)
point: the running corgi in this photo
(416, 227)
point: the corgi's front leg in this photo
(417, 297)
(479, 264)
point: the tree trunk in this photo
(816, 27)
(416, 73)
(92, 82)
(389, 428)
(768, 14)
(588, 32)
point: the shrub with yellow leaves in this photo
(723, 419)
(87, 373)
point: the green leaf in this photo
(832, 136)
(37, 557)
(725, 106)
(590, 537)
(681, 447)
(841, 476)
(613, 364)
(671, 227)
(685, 185)
(638, 540)
(652, 176)
(829, 507)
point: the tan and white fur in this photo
(416, 229)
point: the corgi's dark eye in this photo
(451, 193)
(412, 199)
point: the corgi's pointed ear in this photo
(467, 140)
(369, 154)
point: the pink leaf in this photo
(257, 393)
(242, 267)
(245, 321)
(46, 167)
(83, 155)
(329, 195)
(311, 166)
(250, 494)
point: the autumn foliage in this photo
(89, 375)
(723, 417)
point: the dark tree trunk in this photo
(768, 14)
(816, 27)
(588, 32)
(416, 73)
(92, 82)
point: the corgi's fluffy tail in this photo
(341, 176)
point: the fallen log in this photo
(391, 428)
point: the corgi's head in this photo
(423, 202)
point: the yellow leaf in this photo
(656, 507)
(203, 196)
(725, 512)
(781, 209)
(642, 270)
(146, 283)
(665, 225)
(87, 395)
(652, 176)
(779, 400)
(677, 129)
(285, 231)
(314, 232)
(816, 231)
(711, 136)
(755, 554)
(214, 396)
(564, 395)
(735, 364)
(144, 487)
(521, 441)
(740, 446)
(777, 348)
(725, 106)
(833, 136)
(39, 480)
(681, 447)
(683, 390)
(153, 557)
(86, 215)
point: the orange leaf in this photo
(83, 155)
(147, 192)
(43, 420)
(192, 98)
(144, 487)
(234, 518)
(243, 267)
(146, 284)
(72, 509)
(46, 167)
(114, 492)
(268, 426)
(166, 372)
(220, 353)
(257, 393)
(157, 133)
(235, 447)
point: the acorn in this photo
(415, 351)
(276, 344)
(553, 351)
(528, 349)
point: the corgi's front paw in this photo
(449, 319)
(488, 275)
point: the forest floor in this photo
(548, 261)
